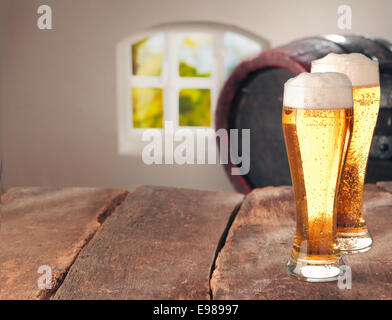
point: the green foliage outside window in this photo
(195, 55)
(195, 107)
(147, 107)
(147, 56)
(186, 70)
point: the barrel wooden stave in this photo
(372, 48)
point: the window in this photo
(174, 73)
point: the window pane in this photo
(147, 56)
(238, 48)
(195, 55)
(195, 107)
(147, 107)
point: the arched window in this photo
(174, 73)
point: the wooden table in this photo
(171, 243)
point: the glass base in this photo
(315, 271)
(354, 243)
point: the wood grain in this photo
(47, 226)
(251, 265)
(159, 244)
(385, 185)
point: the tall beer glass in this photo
(353, 235)
(317, 122)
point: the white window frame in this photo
(129, 138)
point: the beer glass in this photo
(353, 235)
(317, 123)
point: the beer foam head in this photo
(326, 90)
(361, 70)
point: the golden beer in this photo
(317, 123)
(315, 143)
(353, 235)
(350, 202)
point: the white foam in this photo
(327, 90)
(361, 70)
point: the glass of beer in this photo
(317, 123)
(353, 235)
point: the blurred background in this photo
(74, 100)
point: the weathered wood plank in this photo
(251, 265)
(47, 226)
(159, 244)
(385, 185)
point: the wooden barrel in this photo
(380, 162)
(252, 99)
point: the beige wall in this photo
(3, 36)
(58, 87)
